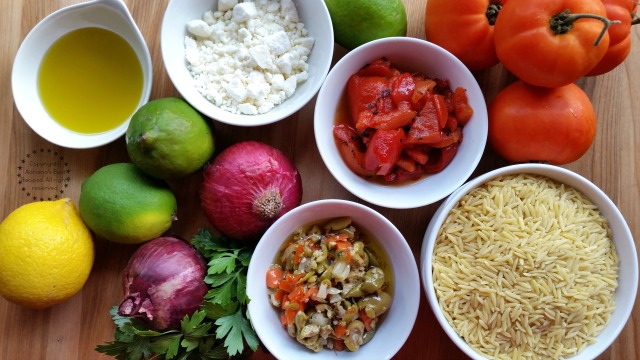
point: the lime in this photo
(121, 203)
(46, 253)
(169, 139)
(356, 22)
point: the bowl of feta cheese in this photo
(247, 63)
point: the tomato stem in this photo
(492, 13)
(562, 23)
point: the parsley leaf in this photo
(236, 327)
(219, 330)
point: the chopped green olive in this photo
(373, 280)
(338, 223)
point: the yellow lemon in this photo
(46, 253)
(356, 22)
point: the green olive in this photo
(355, 291)
(368, 336)
(373, 259)
(358, 247)
(350, 231)
(350, 314)
(373, 280)
(355, 331)
(338, 223)
(326, 275)
(375, 304)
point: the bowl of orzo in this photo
(530, 261)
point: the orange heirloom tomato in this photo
(619, 35)
(530, 123)
(465, 28)
(551, 42)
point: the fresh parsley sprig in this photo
(219, 330)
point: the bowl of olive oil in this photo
(81, 73)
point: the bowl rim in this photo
(384, 194)
(408, 286)
(23, 62)
(557, 173)
(176, 67)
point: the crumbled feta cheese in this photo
(288, 9)
(244, 11)
(225, 5)
(199, 28)
(247, 57)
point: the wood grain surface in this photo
(72, 330)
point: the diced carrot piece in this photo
(279, 295)
(337, 238)
(274, 276)
(285, 285)
(290, 316)
(297, 257)
(367, 321)
(297, 295)
(340, 330)
(338, 345)
(313, 291)
(343, 248)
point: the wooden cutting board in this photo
(73, 329)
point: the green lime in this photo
(121, 203)
(356, 22)
(169, 139)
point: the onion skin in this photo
(247, 187)
(163, 282)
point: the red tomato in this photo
(401, 116)
(529, 123)
(465, 28)
(619, 35)
(383, 151)
(378, 67)
(402, 88)
(364, 92)
(446, 155)
(539, 44)
(351, 149)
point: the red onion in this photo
(163, 282)
(247, 187)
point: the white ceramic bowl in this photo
(622, 239)
(107, 14)
(314, 15)
(407, 54)
(393, 330)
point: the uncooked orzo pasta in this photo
(524, 267)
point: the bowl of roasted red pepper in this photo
(400, 122)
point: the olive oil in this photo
(90, 80)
